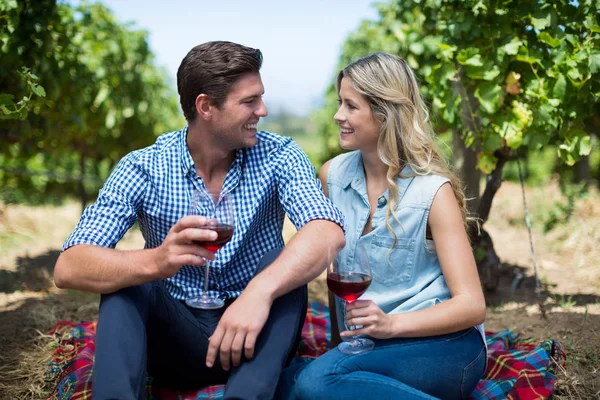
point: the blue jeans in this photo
(144, 330)
(446, 367)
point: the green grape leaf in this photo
(6, 98)
(470, 56)
(38, 90)
(492, 73)
(548, 39)
(512, 48)
(595, 62)
(542, 21)
(488, 95)
(492, 143)
(585, 146)
(486, 163)
(515, 139)
(560, 87)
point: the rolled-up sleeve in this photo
(106, 221)
(300, 191)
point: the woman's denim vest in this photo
(409, 277)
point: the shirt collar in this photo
(235, 171)
(187, 163)
(355, 173)
(356, 176)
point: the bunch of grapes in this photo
(522, 113)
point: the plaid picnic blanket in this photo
(517, 368)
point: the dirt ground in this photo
(567, 309)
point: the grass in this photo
(24, 373)
(567, 303)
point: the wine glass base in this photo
(205, 302)
(356, 346)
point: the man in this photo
(144, 324)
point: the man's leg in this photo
(144, 328)
(275, 347)
(177, 350)
(120, 360)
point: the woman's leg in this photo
(446, 366)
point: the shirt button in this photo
(356, 180)
(381, 201)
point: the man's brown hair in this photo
(212, 68)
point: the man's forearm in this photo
(302, 259)
(102, 270)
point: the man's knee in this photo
(297, 297)
(267, 259)
(138, 297)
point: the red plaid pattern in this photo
(518, 369)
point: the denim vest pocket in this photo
(397, 266)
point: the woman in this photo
(425, 307)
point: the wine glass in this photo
(349, 281)
(218, 207)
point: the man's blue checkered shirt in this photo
(154, 186)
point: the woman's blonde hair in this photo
(390, 87)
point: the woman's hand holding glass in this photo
(349, 281)
(371, 319)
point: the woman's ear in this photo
(204, 107)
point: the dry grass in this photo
(573, 380)
(24, 374)
(578, 239)
(30, 231)
(568, 267)
(571, 247)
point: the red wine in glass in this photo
(348, 285)
(224, 234)
(348, 281)
(218, 208)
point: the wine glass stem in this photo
(350, 328)
(206, 277)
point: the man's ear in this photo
(204, 107)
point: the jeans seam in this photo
(379, 349)
(350, 356)
(471, 364)
(385, 381)
(346, 357)
(465, 333)
(422, 341)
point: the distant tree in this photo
(505, 77)
(25, 93)
(103, 97)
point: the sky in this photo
(301, 41)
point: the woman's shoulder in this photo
(431, 179)
(424, 187)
